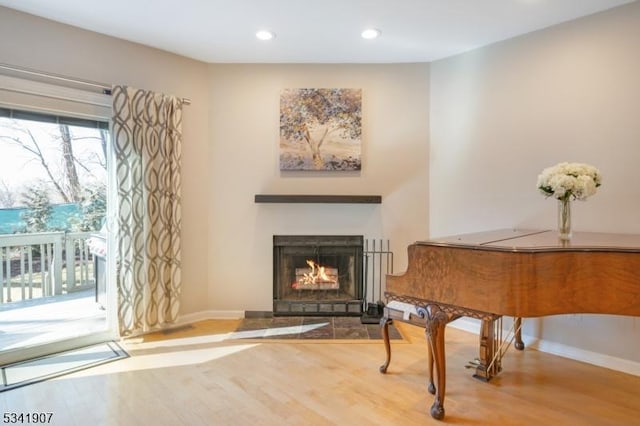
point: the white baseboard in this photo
(571, 352)
(577, 354)
(466, 324)
(209, 315)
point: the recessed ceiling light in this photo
(371, 33)
(265, 35)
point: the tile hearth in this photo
(288, 327)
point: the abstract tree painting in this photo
(320, 129)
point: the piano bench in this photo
(405, 312)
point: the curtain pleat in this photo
(147, 135)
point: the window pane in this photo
(52, 172)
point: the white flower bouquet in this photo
(566, 181)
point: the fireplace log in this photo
(306, 281)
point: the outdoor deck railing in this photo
(44, 264)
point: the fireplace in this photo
(317, 275)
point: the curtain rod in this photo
(105, 88)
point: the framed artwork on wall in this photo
(320, 129)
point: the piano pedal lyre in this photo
(493, 347)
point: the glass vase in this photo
(564, 219)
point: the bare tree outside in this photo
(20, 134)
(66, 163)
(70, 172)
(7, 196)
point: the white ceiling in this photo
(312, 31)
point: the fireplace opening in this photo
(317, 275)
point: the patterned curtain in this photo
(147, 138)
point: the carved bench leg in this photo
(384, 325)
(430, 386)
(436, 322)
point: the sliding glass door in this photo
(54, 233)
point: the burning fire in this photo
(316, 275)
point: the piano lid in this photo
(531, 240)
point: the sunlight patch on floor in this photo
(277, 331)
(177, 358)
(139, 344)
(176, 352)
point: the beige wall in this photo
(36, 43)
(244, 161)
(500, 114)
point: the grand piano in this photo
(516, 273)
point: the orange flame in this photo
(317, 274)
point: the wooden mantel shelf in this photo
(324, 199)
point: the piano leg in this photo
(384, 325)
(517, 326)
(436, 321)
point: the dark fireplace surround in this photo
(299, 286)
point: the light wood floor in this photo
(196, 377)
